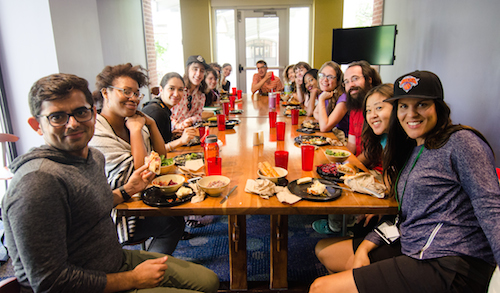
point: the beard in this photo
(356, 102)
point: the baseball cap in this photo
(418, 84)
(197, 59)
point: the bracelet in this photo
(169, 147)
(125, 195)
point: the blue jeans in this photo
(166, 232)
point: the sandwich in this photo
(347, 168)
(154, 162)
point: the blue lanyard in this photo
(400, 201)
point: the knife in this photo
(227, 195)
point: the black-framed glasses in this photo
(329, 77)
(59, 119)
(128, 93)
(190, 102)
(353, 80)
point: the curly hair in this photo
(106, 77)
(55, 87)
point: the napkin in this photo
(263, 187)
(365, 183)
(286, 196)
(200, 194)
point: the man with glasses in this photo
(359, 78)
(56, 211)
(265, 82)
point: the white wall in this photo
(27, 52)
(459, 41)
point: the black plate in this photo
(180, 159)
(306, 130)
(301, 190)
(330, 176)
(300, 139)
(155, 197)
(235, 111)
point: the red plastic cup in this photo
(280, 130)
(225, 108)
(307, 157)
(221, 122)
(281, 159)
(232, 99)
(234, 91)
(295, 116)
(278, 99)
(214, 166)
(203, 132)
(272, 119)
(240, 93)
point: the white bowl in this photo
(213, 191)
(162, 181)
(281, 172)
(337, 155)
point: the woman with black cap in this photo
(443, 178)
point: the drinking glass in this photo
(221, 122)
(214, 166)
(280, 130)
(281, 159)
(272, 119)
(295, 116)
(225, 108)
(307, 157)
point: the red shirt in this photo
(356, 121)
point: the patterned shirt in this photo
(189, 109)
(269, 84)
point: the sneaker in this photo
(194, 224)
(321, 226)
(335, 226)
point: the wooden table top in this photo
(239, 162)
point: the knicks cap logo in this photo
(408, 82)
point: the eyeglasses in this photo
(329, 77)
(190, 100)
(128, 93)
(59, 119)
(353, 79)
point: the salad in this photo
(165, 161)
(337, 153)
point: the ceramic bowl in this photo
(337, 155)
(282, 173)
(162, 182)
(213, 191)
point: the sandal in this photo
(194, 224)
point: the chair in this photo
(10, 285)
(4, 138)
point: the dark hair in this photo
(204, 86)
(110, 73)
(187, 82)
(225, 65)
(368, 72)
(400, 146)
(261, 62)
(302, 64)
(169, 76)
(339, 90)
(55, 87)
(314, 73)
(369, 140)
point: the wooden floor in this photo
(263, 287)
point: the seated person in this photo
(265, 82)
(172, 90)
(300, 70)
(126, 136)
(331, 110)
(189, 110)
(57, 209)
(443, 177)
(226, 71)
(212, 95)
(311, 90)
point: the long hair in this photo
(400, 146)
(339, 90)
(286, 78)
(314, 73)
(369, 140)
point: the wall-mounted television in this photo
(374, 44)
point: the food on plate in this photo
(302, 112)
(212, 119)
(153, 161)
(181, 159)
(347, 168)
(183, 192)
(330, 169)
(310, 124)
(331, 152)
(317, 188)
(169, 183)
(267, 170)
(304, 180)
(314, 140)
(216, 183)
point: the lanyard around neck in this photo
(400, 201)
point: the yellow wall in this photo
(195, 17)
(327, 15)
(196, 31)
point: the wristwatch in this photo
(125, 195)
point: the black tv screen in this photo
(374, 44)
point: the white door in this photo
(262, 35)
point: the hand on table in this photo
(150, 273)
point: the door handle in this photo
(240, 68)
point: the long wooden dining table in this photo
(239, 162)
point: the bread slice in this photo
(154, 162)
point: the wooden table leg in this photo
(237, 252)
(279, 252)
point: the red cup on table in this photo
(234, 91)
(240, 93)
(272, 119)
(204, 131)
(221, 122)
(307, 157)
(214, 166)
(232, 99)
(280, 130)
(281, 159)
(278, 99)
(225, 108)
(295, 116)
